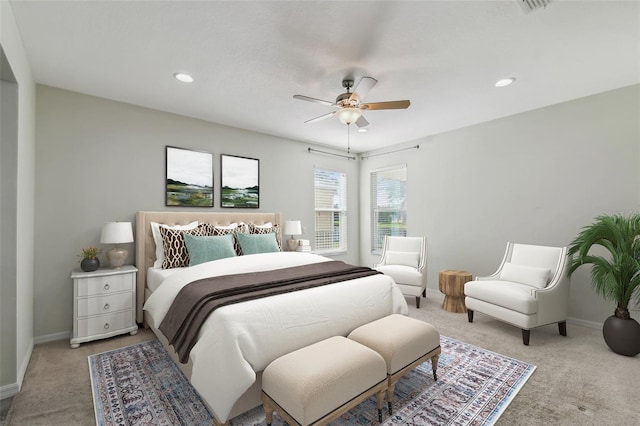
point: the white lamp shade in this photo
(292, 227)
(116, 233)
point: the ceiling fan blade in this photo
(322, 117)
(364, 85)
(386, 105)
(318, 101)
(362, 122)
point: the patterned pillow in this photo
(175, 251)
(266, 229)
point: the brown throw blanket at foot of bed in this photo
(197, 300)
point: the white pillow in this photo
(407, 258)
(229, 227)
(266, 225)
(529, 275)
(157, 238)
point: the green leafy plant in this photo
(617, 276)
(90, 252)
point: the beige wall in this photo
(535, 178)
(99, 160)
(17, 205)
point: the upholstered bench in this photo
(403, 342)
(318, 383)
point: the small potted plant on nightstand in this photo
(90, 261)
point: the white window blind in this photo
(388, 204)
(331, 210)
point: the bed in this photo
(238, 341)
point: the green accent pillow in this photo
(204, 249)
(257, 243)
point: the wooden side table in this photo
(451, 283)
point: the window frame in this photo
(339, 213)
(398, 228)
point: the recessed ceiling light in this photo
(185, 78)
(504, 82)
(363, 130)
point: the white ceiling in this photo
(249, 58)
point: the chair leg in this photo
(424, 293)
(418, 302)
(470, 315)
(562, 328)
(525, 336)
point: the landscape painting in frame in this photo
(240, 183)
(189, 178)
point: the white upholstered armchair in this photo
(530, 289)
(405, 260)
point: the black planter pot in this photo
(622, 336)
(89, 265)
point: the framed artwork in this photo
(240, 182)
(189, 178)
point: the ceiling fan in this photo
(349, 104)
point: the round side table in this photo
(451, 283)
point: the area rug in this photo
(140, 385)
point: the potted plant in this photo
(615, 276)
(90, 261)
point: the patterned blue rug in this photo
(140, 385)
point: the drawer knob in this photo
(106, 326)
(107, 286)
(106, 306)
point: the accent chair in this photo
(405, 260)
(530, 289)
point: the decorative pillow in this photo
(175, 252)
(406, 258)
(219, 231)
(157, 239)
(529, 275)
(204, 249)
(267, 228)
(257, 243)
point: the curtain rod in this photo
(364, 157)
(348, 157)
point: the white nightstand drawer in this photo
(104, 323)
(104, 304)
(104, 285)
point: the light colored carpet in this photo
(579, 381)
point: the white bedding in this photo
(156, 276)
(239, 340)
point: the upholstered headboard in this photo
(146, 248)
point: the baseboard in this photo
(7, 391)
(435, 294)
(585, 323)
(10, 390)
(25, 364)
(63, 335)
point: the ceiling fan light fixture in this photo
(348, 115)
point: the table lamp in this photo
(292, 227)
(117, 233)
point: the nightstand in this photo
(103, 304)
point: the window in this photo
(331, 210)
(388, 204)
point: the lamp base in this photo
(292, 244)
(117, 257)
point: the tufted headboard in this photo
(146, 248)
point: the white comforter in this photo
(238, 340)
